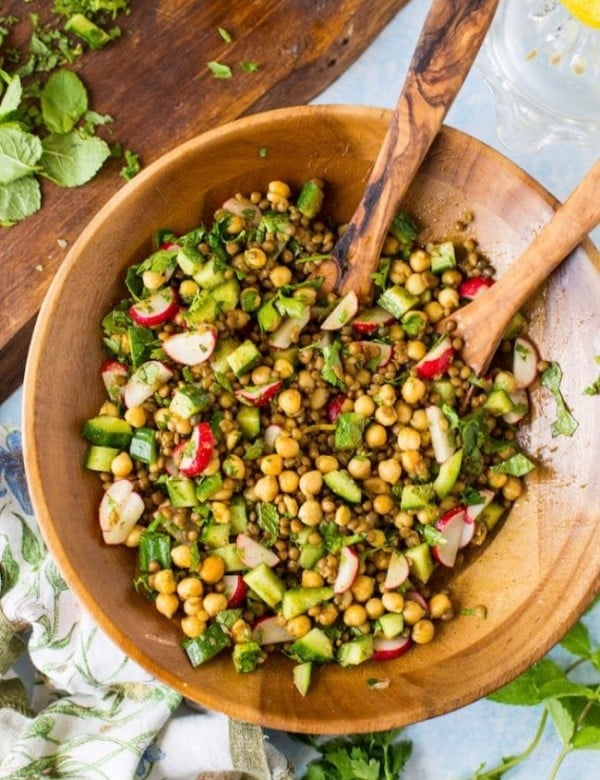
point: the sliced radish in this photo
(471, 288)
(260, 395)
(191, 347)
(198, 451)
(442, 440)
(451, 526)
(345, 311)
(243, 208)
(333, 409)
(269, 631)
(252, 552)
(414, 595)
(157, 308)
(236, 589)
(525, 362)
(120, 509)
(347, 570)
(370, 320)
(114, 375)
(144, 382)
(437, 360)
(387, 649)
(397, 571)
(377, 353)
(289, 331)
(272, 433)
(520, 400)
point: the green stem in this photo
(568, 746)
(499, 770)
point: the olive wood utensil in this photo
(449, 41)
(482, 322)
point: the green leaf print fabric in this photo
(90, 712)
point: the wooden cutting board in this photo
(155, 83)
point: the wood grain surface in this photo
(155, 82)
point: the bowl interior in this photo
(537, 574)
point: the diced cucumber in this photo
(415, 497)
(296, 601)
(215, 534)
(498, 403)
(206, 487)
(204, 309)
(227, 295)
(302, 677)
(248, 418)
(313, 646)
(84, 28)
(448, 474)
(445, 389)
(244, 358)
(310, 199)
(204, 647)
(342, 484)
(420, 561)
(189, 265)
(143, 445)
(492, 514)
(391, 624)
(239, 514)
(182, 491)
(443, 257)
(99, 458)
(230, 555)
(141, 341)
(108, 431)
(188, 400)
(154, 547)
(246, 656)
(349, 431)
(355, 651)
(397, 301)
(228, 617)
(266, 584)
(218, 360)
(310, 555)
(209, 275)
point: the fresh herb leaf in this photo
(349, 428)
(267, 518)
(19, 153)
(249, 67)
(225, 35)
(19, 199)
(132, 165)
(72, 159)
(517, 466)
(565, 424)
(332, 370)
(378, 756)
(220, 70)
(63, 101)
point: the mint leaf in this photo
(577, 641)
(517, 466)
(220, 70)
(64, 101)
(11, 98)
(565, 424)
(19, 199)
(564, 714)
(19, 153)
(268, 519)
(525, 690)
(349, 431)
(71, 159)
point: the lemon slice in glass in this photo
(587, 11)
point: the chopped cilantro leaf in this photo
(517, 466)
(565, 424)
(220, 70)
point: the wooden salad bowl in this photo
(535, 577)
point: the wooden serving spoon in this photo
(450, 39)
(482, 323)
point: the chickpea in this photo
(161, 418)
(181, 556)
(408, 438)
(192, 626)
(271, 465)
(183, 427)
(328, 615)
(363, 587)
(434, 311)
(419, 260)
(497, 481)
(306, 380)
(266, 488)
(121, 465)
(212, 569)
(364, 405)
(440, 606)
(187, 289)
(288, 481)
(310, 513)
(448, 298)
(451, 278)
(343, 515)
(416, 284)
(318, 398)
(311, 483)
(389, 471)
(234, 466)
(153, 280)
(355, 615)
(136, 416)
(512, 488)
(419, 421)
(164, 581)
(255, 258)
(284, 368)
(506, 381)
(422, 632)
(260, 375)
(386, 416)
(375, 436)
(416, 350)
(133, 537)
(278, 190)
(221, 512)
(189, 587)
(286, 446)
(327, 463)
(280, 276)
(241, 632)
(393, 602)
(412, 612)
(413, 390)
(359, 467)
(375, 608)
(311, 579)
(213, 603)
(290, 402)
(411, 461)
(167, 604)
(193, 606)
(383, 504)
(299, 626)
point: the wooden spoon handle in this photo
(483, 322)
(450, 39)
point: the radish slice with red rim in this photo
(269, 631)
(525, 362)
(347, 570)
(388, 649)
(341, 315)
(191, 347)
